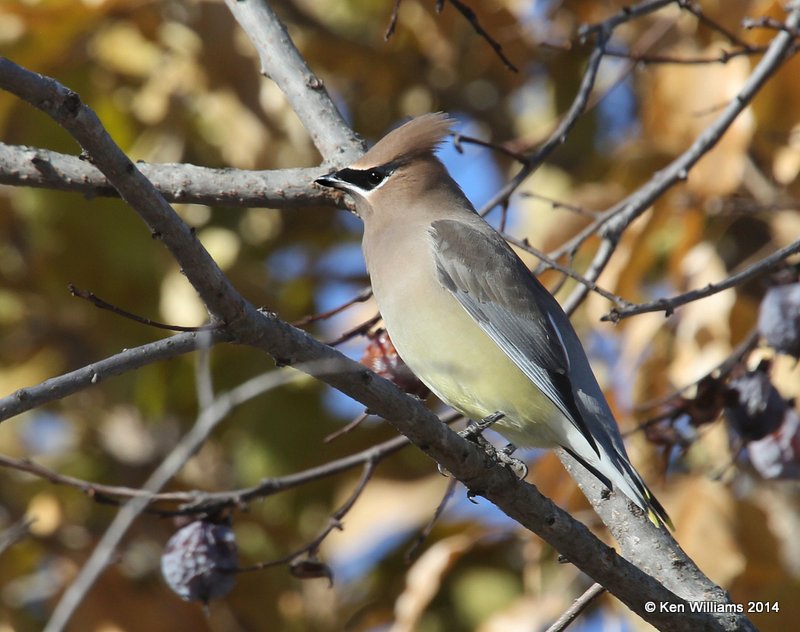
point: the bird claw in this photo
(474, 429)
(503, 457)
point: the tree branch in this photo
(668, 305)
(195, 502)
(559, 135)
(181, 183)
(281, 61)
(613, 222)
(472, 18)
(580, 604)
(128, 360)
(66, 108)
(190, 443)
(627, 14)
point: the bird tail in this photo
(618, 473)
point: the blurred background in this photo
(177, 81)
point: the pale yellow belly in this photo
(449, 352)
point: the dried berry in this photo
(311, 569)
(200, 560)
(382, 358)
(755, 408)
(777, 456)
(779, 318)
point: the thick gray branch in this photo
(182, 183)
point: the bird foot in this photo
(474, 429)
(503, 457)
(515, 465)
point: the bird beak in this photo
(333, 181)
(330, 180)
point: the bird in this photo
(467, 315)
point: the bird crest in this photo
(420, 136)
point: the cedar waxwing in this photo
(469, 318)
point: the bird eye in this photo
(375, 177)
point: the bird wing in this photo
(507, 302)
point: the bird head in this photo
(400, 169)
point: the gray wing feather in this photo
(493, 285)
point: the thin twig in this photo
(103, 304)
(358, 330)
(361, 297)
(392, 21)
(626, 14)
(697, 11)
(14, 533)
(668, 305)
(580, 604)
(334, 523)
(558, 204)
(411, 552)
(352, 425)
(769, 23)
(559, 135)
(723, 57)
(461, 138)
(205, 423)
(525, 245)
(472, 18)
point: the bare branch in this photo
(180, 183)
(723, 57)
(100, 303)
(697, 11)
(461, 138)
(580, 604)
(558, 204)
(205, 423)
(769, 23)
(470, 16)
(626, 14)
(551, 263)
(335, 522)
(361, 297)
(614, 221)
(195, 502)
(411, 552)
(668, 305)
(358, 330)
(282, 63)
(128, 360)
(392, 21)
(348, 427)
(559, 135)
(66, 108)
(14, 533)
